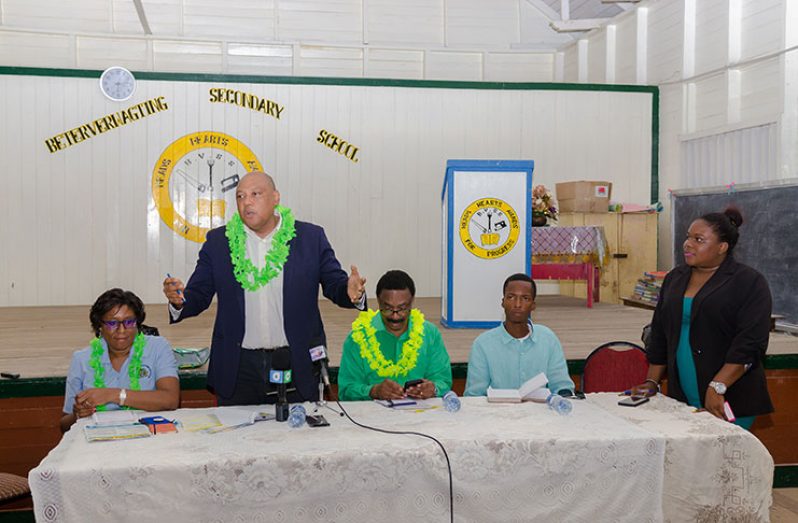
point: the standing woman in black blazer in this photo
(711, 326)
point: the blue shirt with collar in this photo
(157, 361)
(501, 361)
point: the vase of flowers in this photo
(543, 206)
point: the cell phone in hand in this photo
(316, 421)
(633, 401)
(413, 383)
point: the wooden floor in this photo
(38, 341)
(785, 506)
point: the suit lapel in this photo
(718, 280)
(228, 272)
(288, 270)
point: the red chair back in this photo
(614, 367)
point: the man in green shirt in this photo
(396, 345)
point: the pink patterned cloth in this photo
(569, 245)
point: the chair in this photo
(614, 367)
(14, 492)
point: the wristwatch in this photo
(719, 387)
(122, 397)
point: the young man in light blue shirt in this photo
(517, 350)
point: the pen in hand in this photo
(179, 292)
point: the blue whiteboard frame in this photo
(527, 166)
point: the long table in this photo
(510, 462)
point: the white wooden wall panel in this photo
(597, 58)
(741, 156)
(87, 15)
(244, 18)
(388, 63)
(125, 19)
(626, 50)
(165, 17)
(711, 102)
(519, 67)
(26, 49)
(571, 63)
(468, 23)
(99, 53)
(711, 34)
(331, 21)
(665, 41)
(762, 91)
(94, 224)
(670, 168)
(762, 27)
(186, 56)
(408, 22)
(453, 66)
(277, 60)
(330, 61)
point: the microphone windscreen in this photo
(281, 359)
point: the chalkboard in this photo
(768, 238)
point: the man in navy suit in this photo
(266, 270)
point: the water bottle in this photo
(451, 402)
(297, 417)
(560, 405)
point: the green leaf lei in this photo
(250, 277)
(365, 335)
(133, 369)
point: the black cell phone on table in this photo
(316, 421)
(633, 401)
(413, 383)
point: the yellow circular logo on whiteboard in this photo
(489, 228)
(194, 182)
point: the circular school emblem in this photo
(194, 181)
(489, 228)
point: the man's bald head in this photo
(256, 174)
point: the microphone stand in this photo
(321, 402)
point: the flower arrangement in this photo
(543, 203)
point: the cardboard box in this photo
(584, 196)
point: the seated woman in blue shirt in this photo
(121, 367)
(517, 350)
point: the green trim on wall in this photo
(655, 147)
(17, 516)
(315, 80)
(785, 476)
(781, 362)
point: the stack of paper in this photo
(224, 418)
(116, 417)
(533, 390)
(114, 432)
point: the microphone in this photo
(280, 374)
(319, 355)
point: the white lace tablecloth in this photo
(714, 470)
(510, 463)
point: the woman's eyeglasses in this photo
(114, 324)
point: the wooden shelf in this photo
(639, 304)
